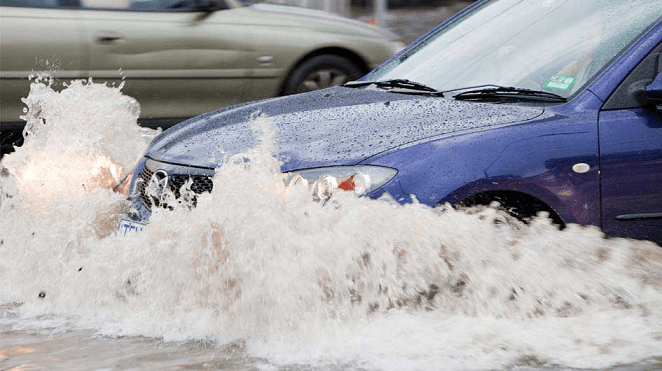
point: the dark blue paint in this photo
(304, 124)
(535, 158)
(631, 163)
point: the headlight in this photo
(324, 181)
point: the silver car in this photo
(180, 58)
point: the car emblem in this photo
(158, 186)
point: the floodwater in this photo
(260, 277)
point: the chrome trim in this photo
(155, 177)
(639, 217)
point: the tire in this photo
(510, 207)
(321, 72)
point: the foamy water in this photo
(259, 276)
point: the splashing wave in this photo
(355, 281)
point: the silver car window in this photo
(162, 4)
(110, 4)
(152, 5)
(30, 3)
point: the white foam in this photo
(360, 282)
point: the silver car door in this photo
(175, 60)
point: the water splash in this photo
(354, 281)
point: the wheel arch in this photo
(520, 204)
(352, 56)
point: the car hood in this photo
(336, 126)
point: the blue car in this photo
(540, 105)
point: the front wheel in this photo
(320, 72)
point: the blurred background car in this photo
(179, 58)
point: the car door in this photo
(631, 157)
(176, 61)
(35, 36)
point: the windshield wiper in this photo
(501, 93)
(396, 84)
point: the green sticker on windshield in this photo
(560, 82)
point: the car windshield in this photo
(550, 45)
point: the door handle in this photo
(110, 38)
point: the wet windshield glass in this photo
(551, 45)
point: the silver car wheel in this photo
(322, 79)
(320, 72)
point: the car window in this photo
(552, 45)
(152, 5)
(30, 3)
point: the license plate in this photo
(130, 226)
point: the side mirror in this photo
(205, 8)
(209, 5)
(653, 91)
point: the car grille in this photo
(201, 183)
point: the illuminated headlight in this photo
(396, 46)
(324, 181)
